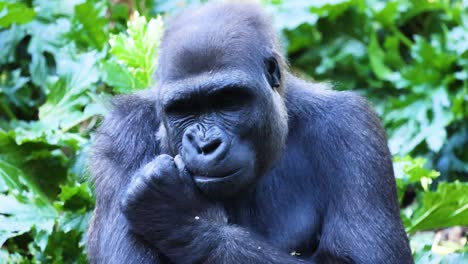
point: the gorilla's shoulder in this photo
(139, 103)
(129, 115)
(315, 107)
(129, 129)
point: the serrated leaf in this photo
(48, 37)
(17, 218)
(67, 94)
(25, 206)
(135, 54)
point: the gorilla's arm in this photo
(163, 206)
(118, 148)
(227, 244)
(110, 240)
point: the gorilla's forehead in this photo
(198, 51)
(205, 41)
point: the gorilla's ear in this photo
(273, 73)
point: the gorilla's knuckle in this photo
(127, 203)
(137, 183)
(164, 158)
(164, 164)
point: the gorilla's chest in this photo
(284, 208)
(294, 228)
(295, 231)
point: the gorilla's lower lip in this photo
(204, 179)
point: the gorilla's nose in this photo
(203, 149)
(208, 146)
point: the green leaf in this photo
(333, 8)
(45, 38)
(135, 54)
(447, 206)
(457, 40)
(77, 220)
(118, 76)
(52, 9)
(15, 13)
(48, 37)
(376, 59)
(89, 25)
(291, 14)
(24, 206)
(442, 116)
(17, 218)
(14, 94)
(12, 257)
(418, 120)
(9, 39)
(77, 201)
(67, 94)
(37, 132)
(387, 13)
(411, 170)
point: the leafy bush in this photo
(409, 57)
(59, 64)
(61, 60)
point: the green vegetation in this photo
(61, 60)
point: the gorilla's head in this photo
(220, 96)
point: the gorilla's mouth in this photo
(213, 179)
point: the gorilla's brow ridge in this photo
(206, 83)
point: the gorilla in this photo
(232, 159)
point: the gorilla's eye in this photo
(231, 98)
(225, 99)
(182, 107)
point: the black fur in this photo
(311, 178)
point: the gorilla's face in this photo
(228, 127)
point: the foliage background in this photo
(61, 60)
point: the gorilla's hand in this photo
(162, 197)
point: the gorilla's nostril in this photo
(199, 150)
(211, 146)
(190, 136)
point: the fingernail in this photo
(179, 162)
